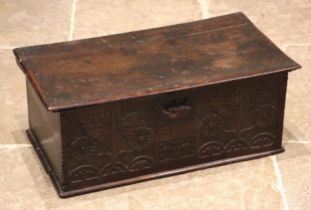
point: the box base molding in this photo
(64, 194)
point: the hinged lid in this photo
(104, 69)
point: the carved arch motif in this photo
(140, 163)
(84, 173)
(211, 149)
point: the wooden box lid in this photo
(110, 68)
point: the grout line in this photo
(279, 184)
(296, 44)
(299, 44)
(72, 19)
(14, 146)
(203, 5)
(298, 142)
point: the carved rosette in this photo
(83, 148)
(96, 125)
(140, 138)
(210, 126)
(265, 115)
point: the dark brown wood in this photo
(45, 126)
(104, 69)
(121, 109)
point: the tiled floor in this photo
(278, 182)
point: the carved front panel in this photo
(141, 136)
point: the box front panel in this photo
(142, 136)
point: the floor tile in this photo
(34, 22)
(17, 187)
(25, 185)
(103, 17)
(13, 106)
(248, 185)
(284, 21)
(298, 99)
(295, 165)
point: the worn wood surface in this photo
(124, 142)
(110, 68)
(46, 127)
(154, 103)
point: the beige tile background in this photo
(277, 182)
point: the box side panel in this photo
(281, 106)
(45, 127)
(262, 103)
(148, 135)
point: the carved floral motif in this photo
(262, 140)
(210, 126)
(113, 169)
(236, 146)
(264, 115)
(140, 163)
(83, 148)
(219, 133)
(140, 138)
(211, 149)
(84, 173)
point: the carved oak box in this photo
(120, 109)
